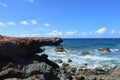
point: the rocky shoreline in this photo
(19, 61)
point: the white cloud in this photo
(113, 31)
(70, 33)
(54, 33)
(11, 23)
(33, 21)
(24, 22)
(31, 1)
(101, 30)
(2, 24)
(46, 24)
(84, 33)
(3, 4)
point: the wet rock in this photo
(58, 61)
(85, 53)
(104, 49)
(100, 70)
(65, 65)
(60, 49)
(69, 60)
(79, 77)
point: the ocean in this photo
(76, 46)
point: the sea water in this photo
(75, 46)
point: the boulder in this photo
(85, 53)
(104, 49)
(58, 61)
(69, 60)
(65, 65)
(60, 49)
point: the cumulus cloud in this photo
(101, 31)
(55, 33)
(113, 31)
(46, 24)
(2, 24)
(11, 23)
(3, 4)
(33, 21)
(70, 33)
(24, 22)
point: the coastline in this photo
(38, 67)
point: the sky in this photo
(60, 18)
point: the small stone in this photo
(69, 60)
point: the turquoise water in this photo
(94, 59)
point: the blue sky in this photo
(60, 18)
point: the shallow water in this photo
(94, 59)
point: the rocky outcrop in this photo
(21, 47)
(60, 49)
(104, 49)
(58, 61)
(33, 65)
(85, 53)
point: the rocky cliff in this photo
(19, 47)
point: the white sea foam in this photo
(92, 60)
(114, 50)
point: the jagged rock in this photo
(104, 49)
(69, 60)
(58, 61)
(60, 49)
(11, 72)
(85, 53)
(21, 47)
(41, 68)
(100, 70)
(65, 65)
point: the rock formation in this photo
(19, 47)
(104, 49)
(60, 49)
(85, 53)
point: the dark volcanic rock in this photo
(10, 72)
(60, 49)
(58, 61)
(34, 67)
(20, 47)
(104, 49)
(85, 53)
(69, 60)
